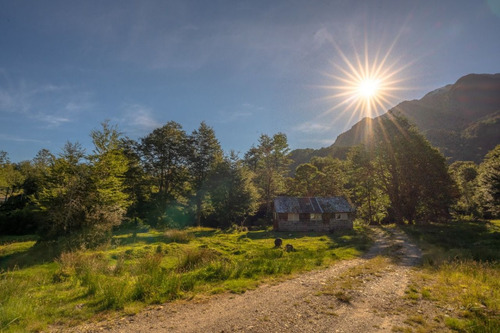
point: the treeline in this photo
(170, 178)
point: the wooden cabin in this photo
(312, 214)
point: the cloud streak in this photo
(5, 137)
(312, 127)
(244, 111)
(47, 104)
(138, 119)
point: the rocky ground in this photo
(361, 295)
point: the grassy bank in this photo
(154, 267)
(461, 273)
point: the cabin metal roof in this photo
(312, 205)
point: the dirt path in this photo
(296, 305)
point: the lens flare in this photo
(368, 88)
(365, 84)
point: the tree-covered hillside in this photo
(462, 120)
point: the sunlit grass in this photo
(461, 273)
(154, 267)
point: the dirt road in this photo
(374, 303)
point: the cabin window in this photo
(304, 217)
(293, 217)
(316, 217)
(283, 216)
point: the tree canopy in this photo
(169, 178)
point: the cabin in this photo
(312, 214)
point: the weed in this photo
(415, 319)
(343, 296)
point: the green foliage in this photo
(413, 174)
(109, 165)
(82, 202)
(489, 184)
(465, 175)
(11, 179)
(270, 161)
(323, 177)
(366, 187)
(205, 153)
(164, 154)
(306, 181)
(233, 195)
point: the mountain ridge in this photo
(462, 120)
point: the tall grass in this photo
(157, 268)
(461, 272)
(179, 236)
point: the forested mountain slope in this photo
(461, 119)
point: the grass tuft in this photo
(179, 236)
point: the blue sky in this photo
(244, 67)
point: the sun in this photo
(368, 87)
(365, 87)
(365, 84)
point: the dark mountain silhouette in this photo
(461, 119)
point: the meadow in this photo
(39, 289)
(460, 273)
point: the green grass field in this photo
(137, 269)
(460, 273)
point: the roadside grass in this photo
(152, 267)
(345, 286)
(460, 273)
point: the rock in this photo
(278, 242)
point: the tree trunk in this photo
(198, 209)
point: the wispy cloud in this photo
(311, 127)
(5, 137)
(244, 111)
(47, 104)
(138, 119)
(52, 120)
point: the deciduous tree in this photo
(413, 173)
(489, 184)
(165, 154)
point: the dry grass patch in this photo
(344, 286)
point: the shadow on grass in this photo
(150, 239)
(38, 254)
(256, 235)
(14, 239)
(139, 239)
(206, 233)
(358, 239)
(461, 239)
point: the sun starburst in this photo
(365, 85)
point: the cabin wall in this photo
(320, 225)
